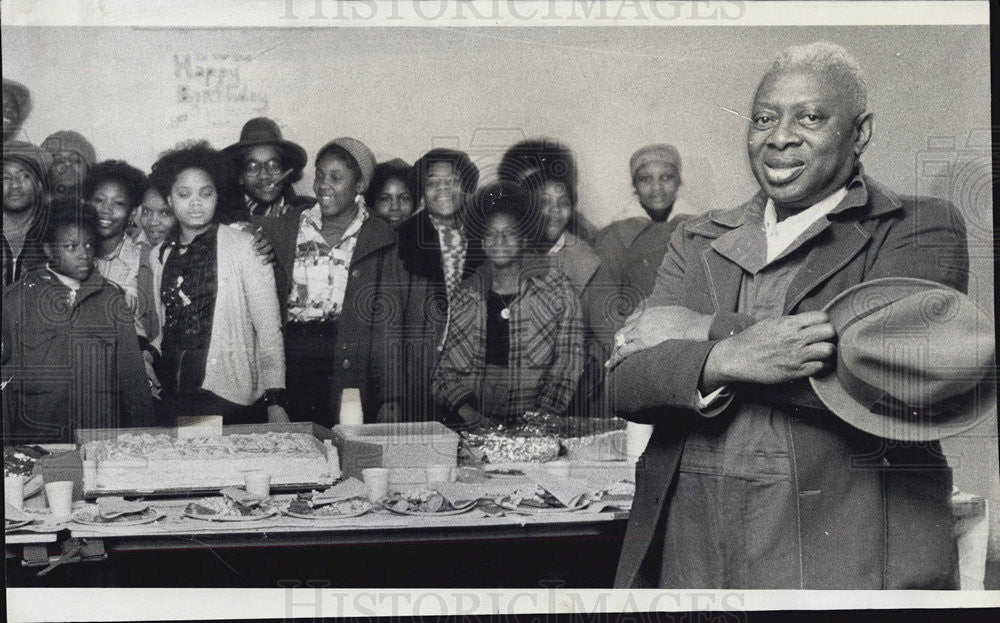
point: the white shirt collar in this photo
(314, 216)
(558, 245)
(781, 235)
(69, 282)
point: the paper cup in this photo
(60, 497)
(377, 479)
(558, 468)
(258, 484)
(350, 407)
(636, 438)
(13, 491)
(438, 473)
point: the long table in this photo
(576, 548)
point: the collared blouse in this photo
(319, 276)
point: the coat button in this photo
(356, 273)
(347, 364)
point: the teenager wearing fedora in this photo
(750, 480)
(334, 338)
(267, 165)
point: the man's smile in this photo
(783, 170)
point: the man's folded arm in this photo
(664, 376)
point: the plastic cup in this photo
(558, 468)
(377, 479)
(258, 484)
(60, 497)
(438, 473)
(636, 438)
(351, 413)
(13, 491)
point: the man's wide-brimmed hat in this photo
(264, 131)
(916, 360)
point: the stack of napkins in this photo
(570, 492)
(344, 490)
(460, 493)
(113, 506)
(13, 515)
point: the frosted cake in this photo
(153, 462)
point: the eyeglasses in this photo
(254, 168)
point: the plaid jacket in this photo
(546, 342)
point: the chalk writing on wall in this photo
(214, 87)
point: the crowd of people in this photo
(436, 296)
(794, 445)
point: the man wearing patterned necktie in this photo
(434, 256)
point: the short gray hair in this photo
(823, 56)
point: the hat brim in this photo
(952, 417)
(295, 155)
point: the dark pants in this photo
(171, 405)
(310, 354)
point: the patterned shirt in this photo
(453, 249)
(188, 290)
(275, 209)
(319, 277)
(121, 267)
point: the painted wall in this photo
(602, 91)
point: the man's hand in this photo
(276, 414)
(652, 326)
(774, 350)
(154, 381)
(261, 245)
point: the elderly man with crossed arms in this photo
(748, 480)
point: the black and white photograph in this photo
(320, 309)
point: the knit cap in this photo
(68, 140)
(659, 152)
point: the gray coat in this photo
(871, 514)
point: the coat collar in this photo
(845, 237)
(375, 235)
(420, 248)
(419, 245)
(862, 191)
(536, 271)
(88, 287)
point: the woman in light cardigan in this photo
(220, 342)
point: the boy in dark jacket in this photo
(70, 354)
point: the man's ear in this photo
(863, 132)
(48, 250)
